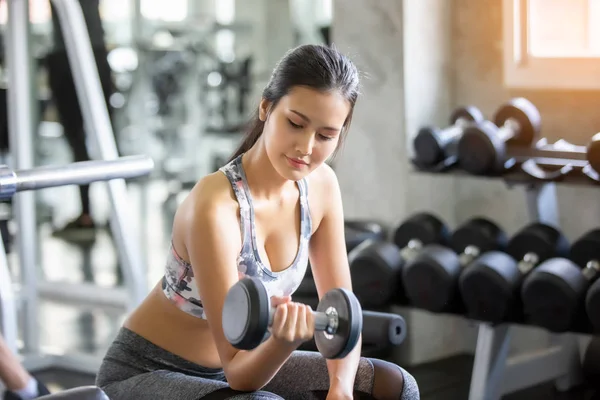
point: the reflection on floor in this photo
(72, 328)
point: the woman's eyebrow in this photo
(305, 118)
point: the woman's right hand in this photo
(293, 323)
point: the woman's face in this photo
(303, 130)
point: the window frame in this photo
(523, 71)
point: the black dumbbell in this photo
(247, 315)
(375, 266)
(356, 232)
(490, 286)
(482, 147)
(433, 145)
(554, 293)
(431, 279)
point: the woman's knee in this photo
(392, 382)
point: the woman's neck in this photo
(265, 182)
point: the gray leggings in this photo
(135, 368)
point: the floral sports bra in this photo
(179, 284)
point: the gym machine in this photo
(103, 147)
(79, 173)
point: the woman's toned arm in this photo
(213, 242)
(329, 263)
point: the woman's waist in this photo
(159, 321)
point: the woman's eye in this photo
(323, 137)
(293, 124)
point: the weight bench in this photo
(79, 393)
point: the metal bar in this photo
(531, 369)
(79, 173)
(22, 127)
(490, 358)
(571, 373)
(8, 306)
(542, 204)
(84, 294)
(98, 127)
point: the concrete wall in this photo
(421, 59)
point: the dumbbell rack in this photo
(494, 372)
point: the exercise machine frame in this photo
(98, 128)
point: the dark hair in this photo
(319, 67)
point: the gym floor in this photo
(73, 328)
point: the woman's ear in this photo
(263, 110)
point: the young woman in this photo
(274, 206)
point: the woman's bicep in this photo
(212, 244)
(328, 257)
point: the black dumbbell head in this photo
(592, 305)
(489, 287)
(425, 227)
(480, 149)
(375, 270)
(526, 114)
(430, 280)
(480, 232)
(586, 248)
(553, 294)
(350, 324)
(468, 113)
(541, 239)
(427, 146)
(357, 231)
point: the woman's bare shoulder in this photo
(323, 186)
(211, 199)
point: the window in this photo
(552, 44)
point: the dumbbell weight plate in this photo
(481, 150)
(431, 144)
(586, 248)
(246, 314)
(467, 113)
(349, 328)
(357, 232)
(527, 116)
(425, 227)
(553, 294)
(543, 240)
(481, 233)
(592, 305)
(375, 270)
(431, 278)
(489, 287)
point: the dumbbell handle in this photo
(378, 328)
(509, 130)
(324, 321)
(469, 254)
(529, 261)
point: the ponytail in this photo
(251, 137)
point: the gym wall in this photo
(421, 59)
